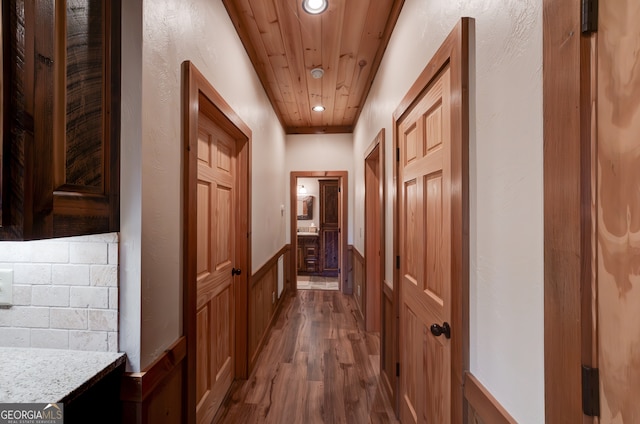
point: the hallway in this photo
(318, 366)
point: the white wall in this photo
(172, 32)
(320, 152)
(506, 257)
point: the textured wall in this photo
(199, 31)
(65, 293)
(323, 152)
(506, 276)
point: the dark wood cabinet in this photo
(329, 227)
(308, 259)
(61, 118)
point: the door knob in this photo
(438, 330)
(235, 271)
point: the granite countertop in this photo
(30, 375)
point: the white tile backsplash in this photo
(21, 295)
(88, 253)
(113, 298)
(50, 339)
(89, 297)
(112, 341)
(50, 296)
(65, 293)
(24, 273)
(70, 275)
(15, 337)
(89, 340)
(103, 320)
(54, 252)
(104, 275)
(70, 318)
(15, 251)
(113, 253)
(25, 317)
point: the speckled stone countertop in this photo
(29, 375)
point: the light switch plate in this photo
(6, 286)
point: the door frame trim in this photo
(194, 86)
(377, 143)
(454, 52)
(569, 215)
(343, 183)
(390, 381)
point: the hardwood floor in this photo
(315, 282)
(318, 366)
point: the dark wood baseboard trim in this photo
(487, 408)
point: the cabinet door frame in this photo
(35, 203)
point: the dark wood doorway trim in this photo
(342, 177)
(454, 52)
(568, 215)
(374, 232)
(200, 96)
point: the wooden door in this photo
(216, 223)
(424, 139)
(618, 211)
(329, 227)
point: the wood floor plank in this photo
(317, 366)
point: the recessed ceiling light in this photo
(318, 108)
(315, 7)
(317, 72)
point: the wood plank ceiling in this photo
(285, 43)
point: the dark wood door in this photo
(329, 227)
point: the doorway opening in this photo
(318, 229)
(317, 233)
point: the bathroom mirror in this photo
(305, 207)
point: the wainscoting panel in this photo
(483, 407)
(359, 285)
(155, 396)
(264, 302)
(388, 341)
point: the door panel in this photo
(425, 266)
(410, 334)
(618, 211)
(435, 241)
(215, 258)
(329, 227)
(224, 229)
